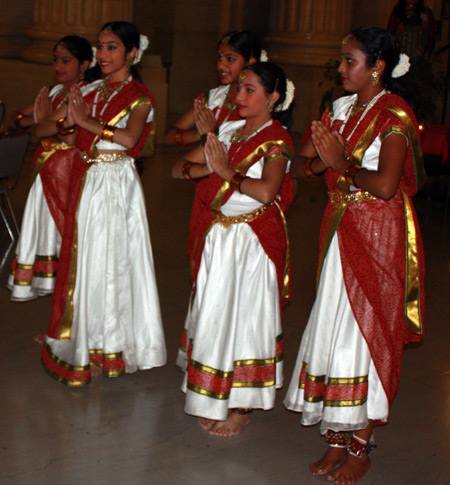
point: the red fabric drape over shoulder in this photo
(373, 244)
(131, 96)
(269, 227)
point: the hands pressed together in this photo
(330, 146)
(216, 156)
(42, 107)
(77, 110)
(203, 117)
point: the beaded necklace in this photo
(237, 138)
(366, 106)
(107, 94)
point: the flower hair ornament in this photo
(263, 57)
(94, 58)
(290, 91)
(143, 44)
(402, 67)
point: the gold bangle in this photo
(350, 173)
(307, 167)
(236, 181)
(178, 137)
(108, 133)
(64, 131)
(186, 170)
(17, 121)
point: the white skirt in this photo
(116, 304)
(39, 244)
(334, 356)
(234, 322)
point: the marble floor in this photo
(132, 430)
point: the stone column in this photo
(304, 35)
(54, 19)
(16, 18)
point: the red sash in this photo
(131, 96)
(270, 227)
(380, 243)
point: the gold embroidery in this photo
(340, 199)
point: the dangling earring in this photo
(375, 78)
(270, 106)
(129, 63)
(82, 76)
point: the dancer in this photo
(234, 51)
(233, 349)
(370, 299)
(33, 269)
(105, 311)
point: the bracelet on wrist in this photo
(108, 133)
(350, 173)
(307, 167)
(186, 170)
(236, 181)
(178, 137)
(17, 121)
(64, 131)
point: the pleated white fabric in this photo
(235, 313)
(333, 346)
(39, 239)
(116, 305)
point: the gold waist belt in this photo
(340, 199)
(226, 221)
(104, 157)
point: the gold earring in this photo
(82, 76)
(129, 63)
(375, 78)
(270, 106)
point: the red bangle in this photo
(186, 170)
(307, 167)
(178, 137)
(236, 181)
(350, 173)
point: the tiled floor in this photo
(132, 430)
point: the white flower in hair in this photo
(94, 58)
(263, 57)
(402, 67)
(143, 44)
(290, 91)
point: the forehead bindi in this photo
(106, 38)
(250, 79)
(227, 50)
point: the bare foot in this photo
(332, 457)
(351, 471)
(206, 423)
(39, 338)
(96, 371)
(232, 426)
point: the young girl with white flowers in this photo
(34, 266)
(370, 299)
(232, 349)
(234, 51)
(105, 315)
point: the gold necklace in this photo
(107, 92)
(356, 109)
(236, 137)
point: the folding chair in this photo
(12, 153)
